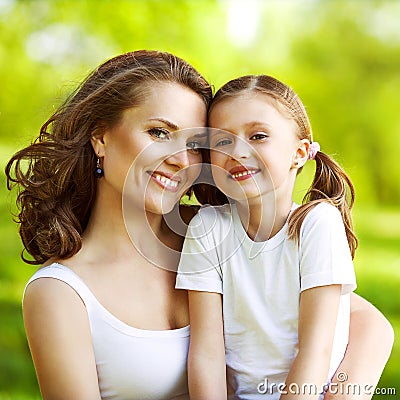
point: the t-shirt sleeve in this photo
(199, 267)
(325, 257)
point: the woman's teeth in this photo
(166, 181)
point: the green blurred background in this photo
(342, 57)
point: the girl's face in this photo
(253, 147)
(152, 155)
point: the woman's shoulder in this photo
(55, 284)
(47, 299)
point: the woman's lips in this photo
(241, 173)
(165, 180)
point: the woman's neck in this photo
(122, 233)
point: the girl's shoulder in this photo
(324, 210)
(223, 211)
(212, 218)
(323, 216)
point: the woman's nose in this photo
(179, 158)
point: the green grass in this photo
(378, 274)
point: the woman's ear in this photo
(97, 140)
(301, 155)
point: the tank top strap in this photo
(66, 275)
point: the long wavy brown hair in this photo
(330, 184)
(55, 174)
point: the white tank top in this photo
(132, 364)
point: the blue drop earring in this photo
(99, 171)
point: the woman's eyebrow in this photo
(166, 122)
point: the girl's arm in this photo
(59, 337)
(317, 321)
(206, 363)
(370, 343)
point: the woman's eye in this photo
(223, 142)
(159, 133)
(259, 136)
(194, 147)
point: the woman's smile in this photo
(165, 180)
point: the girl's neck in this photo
(265, 217)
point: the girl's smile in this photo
(241, 173)
(254, 145)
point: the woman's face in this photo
(153, 155)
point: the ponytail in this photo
(331, 185)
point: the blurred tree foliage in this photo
(341, 56)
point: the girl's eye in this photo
(223, 142)
(259, 136)
(194, 147)
(159, 133)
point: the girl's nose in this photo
(240, 149)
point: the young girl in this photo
(285, 271)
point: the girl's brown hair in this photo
(55, 174)
(330, 184)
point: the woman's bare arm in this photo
(58, 333)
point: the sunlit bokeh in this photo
(341, 56)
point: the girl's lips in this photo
(241, 173)
(165, 180)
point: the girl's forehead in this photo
(248, 103)
(248, 111)
(242, 98)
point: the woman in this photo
(119, 154)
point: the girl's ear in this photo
(301, 155)
(97, 140)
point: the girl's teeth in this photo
(240, 174)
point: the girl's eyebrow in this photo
(247, 125)
(253, 124)
(202, 134)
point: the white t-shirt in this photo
(132, 364)
(261, 284)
